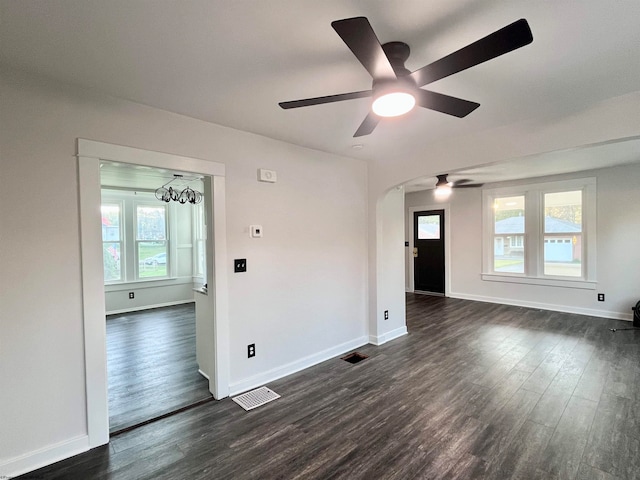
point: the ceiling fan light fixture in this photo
(393, 104)
(443, 190)
(443, 186)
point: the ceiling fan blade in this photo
(444, 103)
(468, 185)
(362, 41)
(502, 41)
(327, 99)
(366, 127)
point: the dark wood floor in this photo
(152, 364)
(475, 390)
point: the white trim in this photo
(545, 306)
(549, 282)
(447, 244)
(296, 366)
(149, 307)
(89, 155)
(203, 374)
(534, 229)
(142, 284)
(387, 337)
(43, 457)
(93, 303)
(137, 156)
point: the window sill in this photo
(547, 282)
(151, 283)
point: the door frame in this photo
(447, 244)
(89, 154)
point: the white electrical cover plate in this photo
(255, 231)
(265, 175)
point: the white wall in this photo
(618, 256)
(303, 297)
(390, 288)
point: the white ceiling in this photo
(231, 62)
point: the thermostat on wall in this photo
(265, 175)
(255, 231)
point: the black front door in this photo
(428, 252)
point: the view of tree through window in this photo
(111, 242)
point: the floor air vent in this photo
(354, 357)
(255, 398)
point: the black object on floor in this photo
(354, 357)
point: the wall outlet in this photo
(131, 295)
(601, 297)
(240, 265)
(386, 314)
(251, 350)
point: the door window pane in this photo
(429, 227)
(563, 234)
(508, 239)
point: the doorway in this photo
(90, 154)
(429, 251)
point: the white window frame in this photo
(121, 230)
(534, 234)
(130, 263)
(167, 222)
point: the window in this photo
(200, 238)
(429, 227)
(562, 217)
(112, 241)
(135, 237)
(543, 232)
(508, 234)
(151, 240)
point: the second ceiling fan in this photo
(395, 89)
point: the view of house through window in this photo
(543, 231)
(563, 233)
(151, 240)
(508, 234)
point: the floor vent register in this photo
(255, 398)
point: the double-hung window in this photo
(151, 240)
(135, 237)
(541, 234)
(112, 241)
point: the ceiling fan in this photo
(444, 186)
(396, 90)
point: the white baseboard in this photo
(149, 307)
(545, 306)
(203, 374)
(293, 367)
(386, 337)
(45, 456)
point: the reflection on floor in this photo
(152, 364)
(475, 391)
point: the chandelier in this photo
(167, 192)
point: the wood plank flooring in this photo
(152, 365)
(475, 391)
